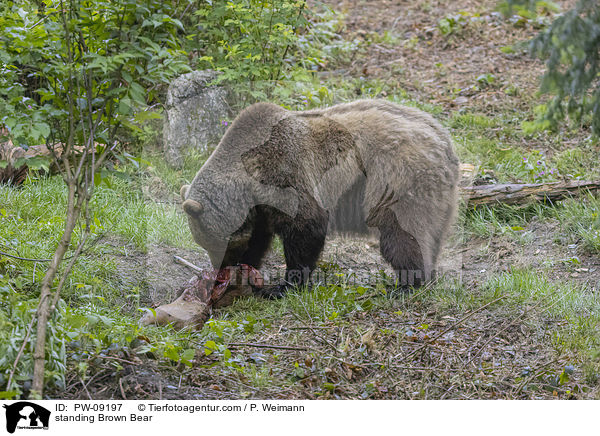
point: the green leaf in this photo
(210, 347)
(188, 355)
(171, 353)
(149, 310)
(137, 93)
(10, 122)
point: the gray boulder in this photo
(195, 114)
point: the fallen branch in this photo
(16, 169)
(525, 193)
(276, 347)
(189, 264)
(24, 258)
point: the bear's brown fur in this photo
(354, 168)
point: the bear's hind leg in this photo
(402, 251)
(398, 247)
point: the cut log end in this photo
(13, 176)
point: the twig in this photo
(513, 322)
(118, 359)
(537, 373)
(335, 350)
(24, 258)
(46, 260)
(422, 290)
(121, 389)
(422, 368)
(446, 330)
(190, 265)
(85, 388)
(20, 353)
(276, 347)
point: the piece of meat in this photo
(211, 289)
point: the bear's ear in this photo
(183, 191)
(192, 207)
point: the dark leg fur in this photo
(302, 247)
(402, 251)
(397, 246)
(259, 244)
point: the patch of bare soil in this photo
(541, 246)
(444, 68)
(154, 272)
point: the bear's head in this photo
(221, 221)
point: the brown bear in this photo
(354, 168)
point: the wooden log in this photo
(525, 193)
(14, 169)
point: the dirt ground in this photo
(471, 262)
(442, 69)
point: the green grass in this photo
(31, 223)
(578, 218)
(33, 216)
(503, 219)
(98, 311)
(499, 144)
(559, 300)
(175, 178)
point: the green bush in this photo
(571, 48)
(250, 40)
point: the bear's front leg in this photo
(273, 292)
(293, 277)
(302, 247)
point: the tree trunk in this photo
(525, 193)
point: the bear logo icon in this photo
(26, 414)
